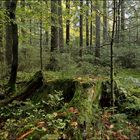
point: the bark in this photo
(105, 34)
(8, 36)
(112, 53)
(23, 32)
(68, 23)
(91, 27)
(23, 21)
(117, 34)
(61, 39)
(40, 41)
(46, 33)
(81, 28)
(14, 35)
(87, 24)
(1, 37)
(31, 87)
(122, 20)
(97, 42)
(54, 28)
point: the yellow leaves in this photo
(55, 114)
(74, 124)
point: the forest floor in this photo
(68, 106)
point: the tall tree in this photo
(1, 35)
(23, 31)
(68, 23)
(122, 19)
(112, 53)
(41, 38)
(118, 4)
(81, 28)
(8, 34)
(61, 39)
(91, 26)
(87, 24)
(97, 41)
(105, 21)
(54, 24)
(11, 7)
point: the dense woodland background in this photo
(69, 69)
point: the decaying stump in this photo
(106, 99)
(31, 87)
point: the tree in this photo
(23, 31)
(81, 28)
(40, 40)
(68, 23)
(122, 19)
(105, 21)
(54, 28)
(97, 41)
(118, 21)
(11, 7)
(61, 39)
(112, 53)
(87, 24)
(91, 27)
(1, 35)
(8, 34)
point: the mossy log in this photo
(28, 90)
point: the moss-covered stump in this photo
(78, 94)
(106, 99)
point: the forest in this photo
(69, 70)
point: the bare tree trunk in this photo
(87, 24)
(8, 36)
(61, 39)
(97, 42)
(122, 21)
(23, 32)
(81, 29)
(112, 53)
(68, 23)
(40, 41)
(1, 36)
(54, 28)
(105, 34)
(91, 29)
(14, 34)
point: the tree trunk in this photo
(40, 41)
(117, 34)
(61, 39)
(97, 42)
(81, 28)
(91, 29)
(1, 36)
(54, 28)
(68, 23)
(8, 36)
(112, 53)
(23, 32)
(14, 35)
(122, 20)
(87, 24)
(105, 34)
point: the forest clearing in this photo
(69, 70)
